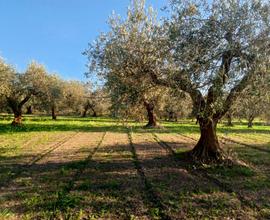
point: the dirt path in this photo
(109, 186)
(43, 173)
(31, 152)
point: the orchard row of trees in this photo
(216, 53)
(44, 92)
(37, 90)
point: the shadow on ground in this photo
(109, 186)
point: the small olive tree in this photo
(255, 99)
(20, 87)
(53, 95)
(122, 57)
(74, 96)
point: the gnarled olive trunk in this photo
(250, 121)
(171, 115)
(84, 112)
(207, 149)
(16, 107)
(54, 117)
(152, 121)
(29, 110)
(17, 121)
(94, 112)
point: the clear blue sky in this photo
(55, 32)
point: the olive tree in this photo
(122, 58)
(53, 95)
(20, 87)
(73, 96)
(175, 105)
(96, 100)
(217, 48)
(255, 99)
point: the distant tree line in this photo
(35, 90)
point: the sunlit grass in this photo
(19, 144)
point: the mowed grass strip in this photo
(168, 180)
(58, 202)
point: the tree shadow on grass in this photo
(110, 187)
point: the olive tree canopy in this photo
(217, 49)
(20, 87)
(123, 56)
(210, 50)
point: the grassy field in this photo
(97, 168)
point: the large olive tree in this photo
(217, 49)
(210, 50)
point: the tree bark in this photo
(152, 121)
(54, 117)
(94, 112)
(207, 149)
(29, 110)
(16, 107)
(171, 115)
(250, 121)
(84, 112)
(17, 121)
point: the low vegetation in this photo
(100, 168)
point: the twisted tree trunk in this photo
(152, 121)
(85, 111)
(207, 149)
(94, 111)
(29, 110)
(171, 115)
(16, 107)
(250, 121)
(17, 121)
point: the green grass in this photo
(110, 187)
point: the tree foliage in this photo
(210, 50)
